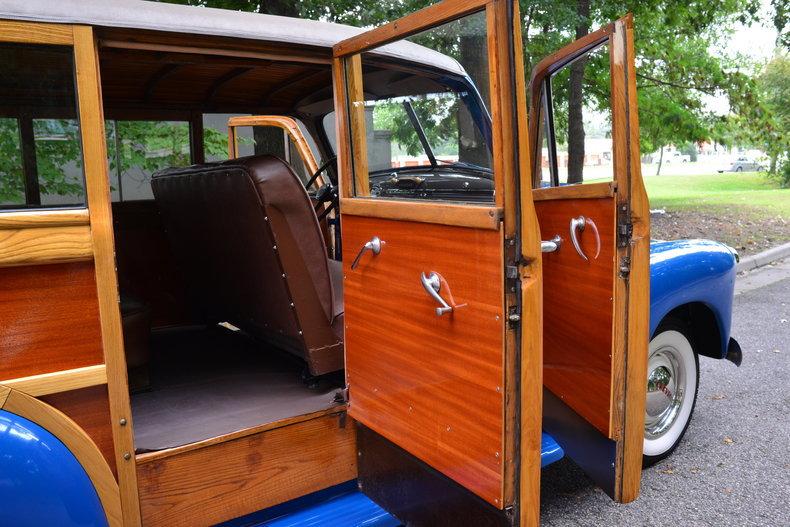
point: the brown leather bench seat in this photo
(246, 237)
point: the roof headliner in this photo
(157, 16)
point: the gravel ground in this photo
(732, 468)
(749, 233)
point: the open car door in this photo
(432, 145)
(590, 198)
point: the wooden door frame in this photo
(513, 212)
(81, 234)
(632, 258)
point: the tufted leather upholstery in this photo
(246, 236)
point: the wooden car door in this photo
(432, 304)
(591, 201)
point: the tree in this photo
(762, 117)
(674, 39)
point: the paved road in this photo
(733, 466)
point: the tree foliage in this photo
(676, 66)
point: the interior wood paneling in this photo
(433, 385)
(90, 409)
(227, 480)
(146, 268)
(578, 309)
(50, 319)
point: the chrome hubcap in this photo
(665, 386)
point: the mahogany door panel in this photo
(577, 307)
(431, 383)
(50, 319)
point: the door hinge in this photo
(341, 396)
(511, 272)
(513, 316)
(625, 227)
(625, 266)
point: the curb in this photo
(763, 258)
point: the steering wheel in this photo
(326, 193)
(332, 161)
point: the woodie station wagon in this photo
(246, 260)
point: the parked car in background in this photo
(676, 157)
(744, 164)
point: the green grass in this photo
(748, 192)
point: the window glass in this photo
(580, 104)
(215, 135)
(425, 116)
(138, 149)
(12, 176)
(40, 145)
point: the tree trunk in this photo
(660, 161)
(576, 101)
(472, 147)
(279, 7)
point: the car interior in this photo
(229, 276)
(229, 271)
(232, 307)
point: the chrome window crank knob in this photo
(373, 245)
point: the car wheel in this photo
(672, 382)
(739, 169)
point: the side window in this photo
(138, 149)
(576, 122)
(424, 124)
(40, 147)
(215, 135)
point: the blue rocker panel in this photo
(41, 482)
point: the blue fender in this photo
(687, 271)
(41, 482)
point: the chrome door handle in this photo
(432, 283)
(551, 245)
(577, 226)
(374, 246)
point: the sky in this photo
(757, 42)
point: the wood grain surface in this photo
(27, 32)
(578, 309)
(50, 319)
(98, 191)
(60, 381)
(90, 409)
(227, 480)
(431, 384)
(44, 218)
(45, 245)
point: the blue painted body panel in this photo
(41, 482)
(550, 450)
(342, 506)
(685, 271)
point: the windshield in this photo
(428, 130)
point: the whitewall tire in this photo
(672, 381)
